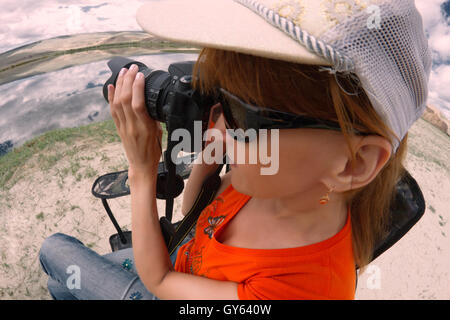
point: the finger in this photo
(159, 130)
(117, 117)
(220, 123)
(127, 92)
(128, 124)
(138, 98)
(127, 86)
(117, 104)
(116, 108)
(119, 83)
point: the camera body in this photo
(169, 96)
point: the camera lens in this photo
(169, 96)
(156, 91)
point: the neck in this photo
(311, 217)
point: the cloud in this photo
(446, 9)
(436, 24)
(27, 21)
(439, 94)
(88, 8)
(436, 20)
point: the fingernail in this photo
(122, 71)
(139, 75)
(133, 67)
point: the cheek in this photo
(298, 170)
(294, 172)
(290, 178)
(302, 160)
(296, 163)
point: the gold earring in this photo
(324, 199)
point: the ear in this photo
(371, 154)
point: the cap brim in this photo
(221, 24)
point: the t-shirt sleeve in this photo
(307, 287)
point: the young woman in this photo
(296, 234)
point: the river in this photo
(49, 84)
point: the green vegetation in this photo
(45, 148)
(104, 132)
(40, 216)
(156, 44)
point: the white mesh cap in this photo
(392, 61)
(382, 42)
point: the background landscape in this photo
(57, 137)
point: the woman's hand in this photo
(216, 121)
(139, 133)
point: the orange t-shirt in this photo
(324, 270)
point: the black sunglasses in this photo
(241, 116)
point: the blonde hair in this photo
(302, 88)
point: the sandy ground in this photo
(42, 203)
(418, 266)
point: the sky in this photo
(436, 18)
(25, 21)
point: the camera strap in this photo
(170, 185)
(206, 195)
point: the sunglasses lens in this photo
(236, 118)
(233, 111)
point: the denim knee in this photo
(58, 291)
(50, 247)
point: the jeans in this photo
(78, 273)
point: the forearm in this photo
(151, 257)
(201, 171)
(149, 249)
(197, 176)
